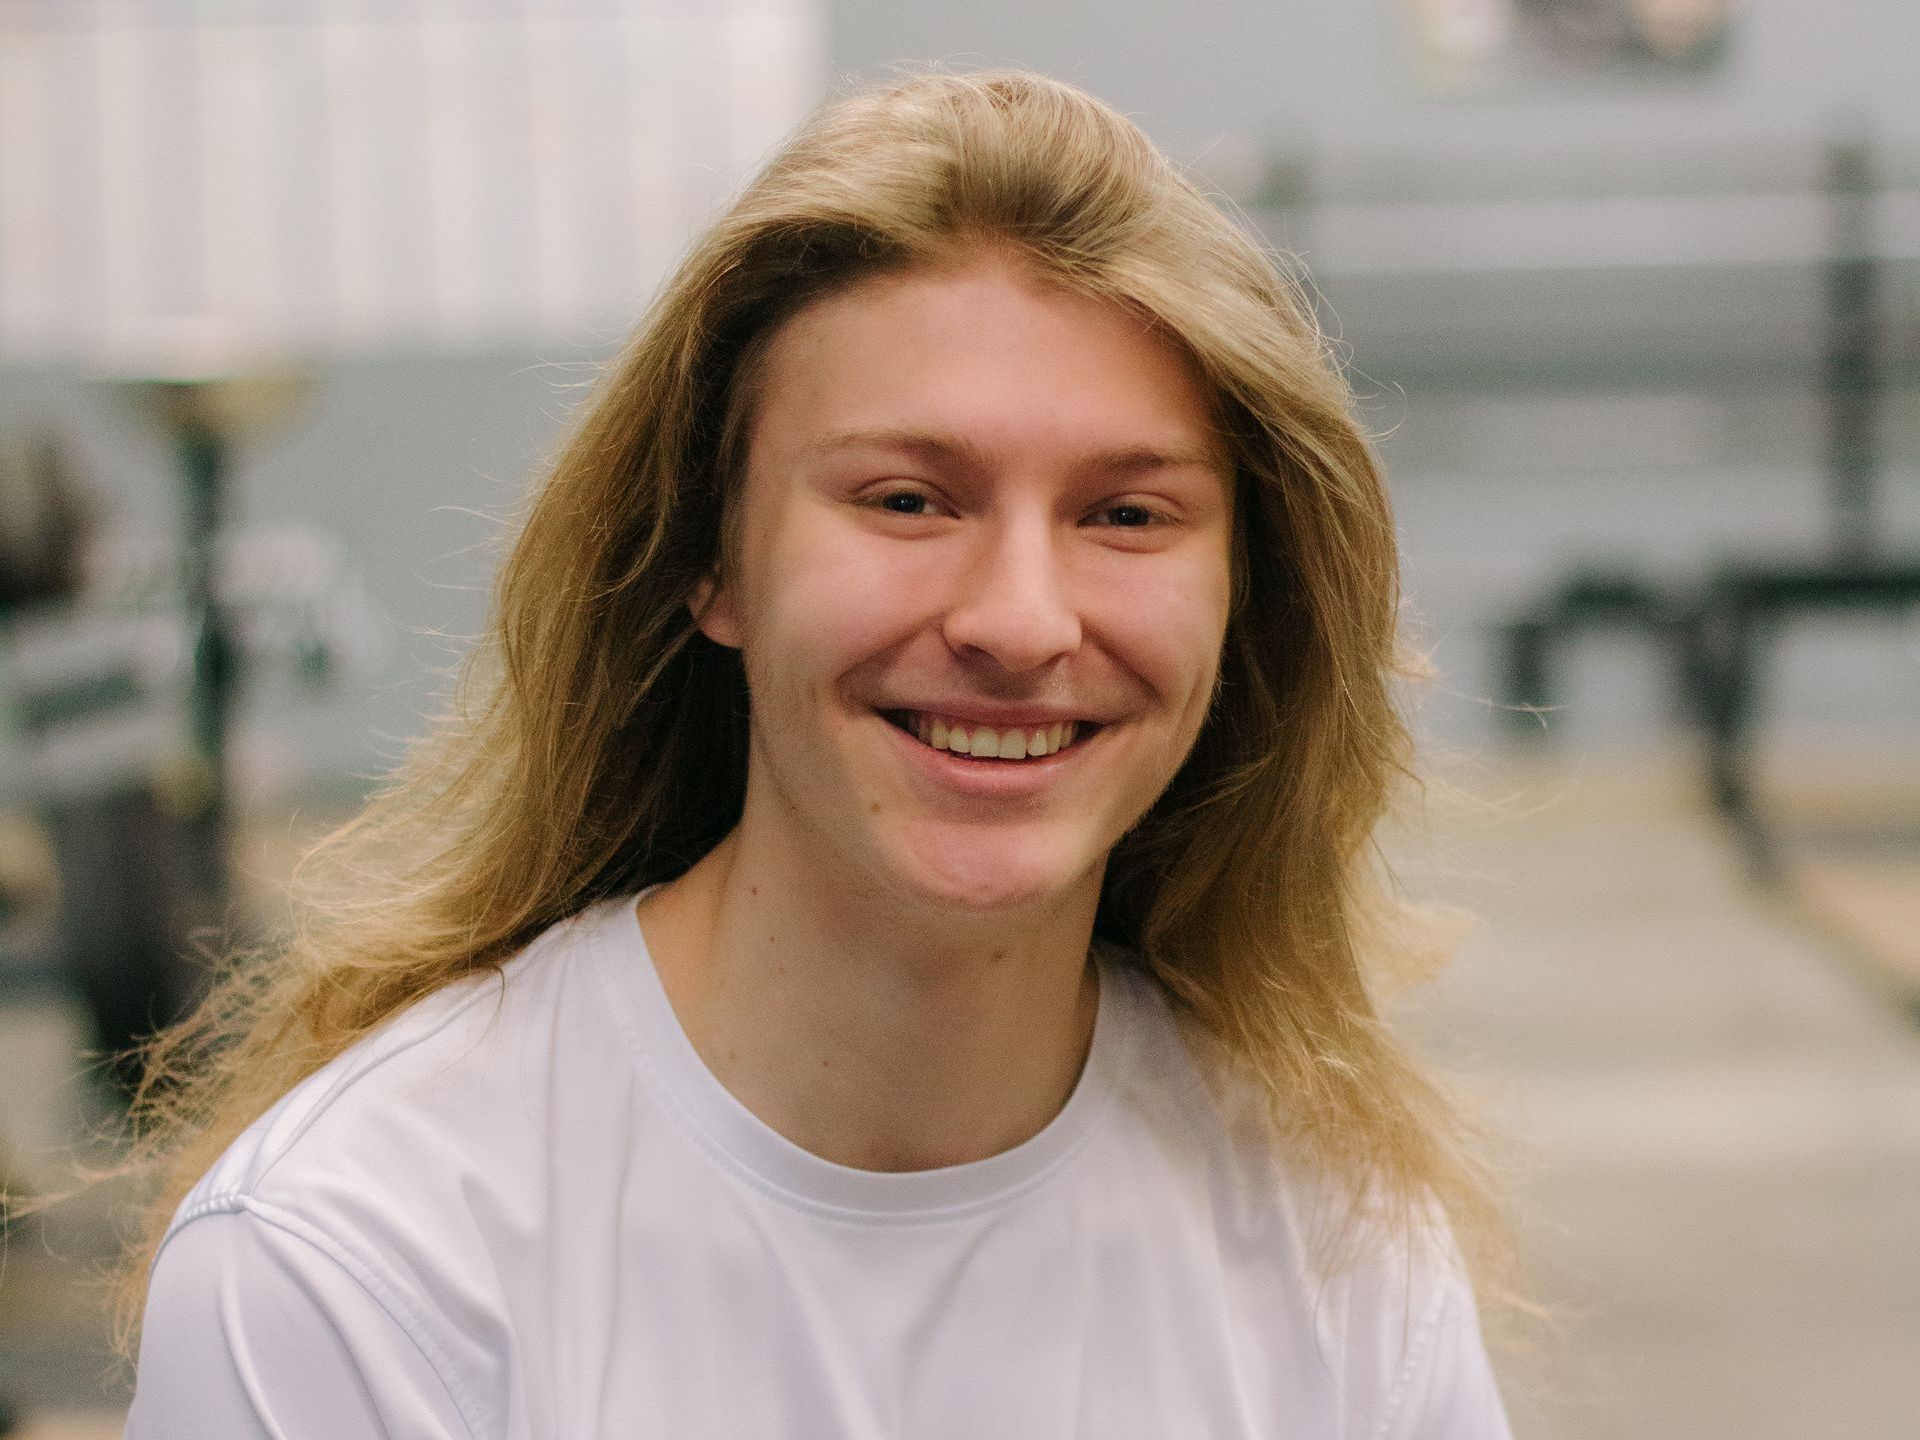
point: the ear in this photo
(714, 613)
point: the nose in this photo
(1013, 603)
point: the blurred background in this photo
(295, 296)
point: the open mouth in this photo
(986, 742)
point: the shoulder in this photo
(255, 1326)
(423, 1154)
(1322, 1290)
(1402, 1333)
(453, 1077)
(382, 1201)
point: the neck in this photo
(870, 1035)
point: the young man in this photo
(877, 955)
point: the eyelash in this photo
(884, 501)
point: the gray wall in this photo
(1330, 72)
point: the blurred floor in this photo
(71, 1425)
(1720, 1093)
(1722, 1096)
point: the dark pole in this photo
(1853, 351)
(203, 454)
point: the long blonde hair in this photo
(598, 743)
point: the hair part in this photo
(597, 742)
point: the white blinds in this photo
(311, 176)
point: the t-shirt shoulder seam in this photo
(346, 1082)
(1419, 1348)
(384, 1292)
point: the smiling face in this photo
(982, 517)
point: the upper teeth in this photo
(983, 741)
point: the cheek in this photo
(1169, 626)
(829, 596)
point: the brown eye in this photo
(904, 502)
(1127, 517)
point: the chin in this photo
(994, 879)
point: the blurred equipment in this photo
(1453, 45)
(1718, 632)
(117, 696)
(42, 522)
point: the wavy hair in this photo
(597, 742)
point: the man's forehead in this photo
(950, 365)
(951, 448)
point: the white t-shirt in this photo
(526, 1209)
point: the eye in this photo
(906, 499)
(1126, 517)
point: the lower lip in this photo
(988, 779)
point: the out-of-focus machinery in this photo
(1717, 632)
(121, 661)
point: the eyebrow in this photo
(937, 446)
